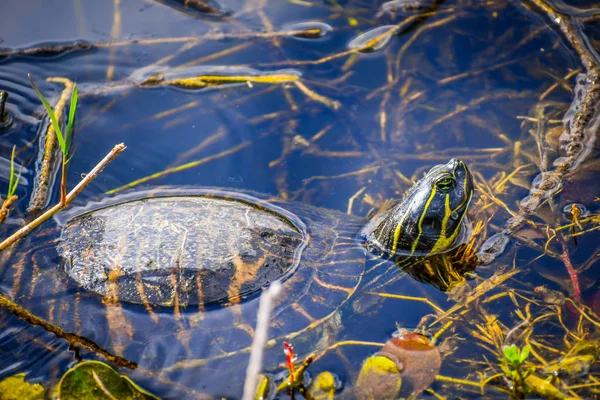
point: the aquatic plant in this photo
(13, 182)
(63, 140)
(512, 365)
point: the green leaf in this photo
(71, 121)
(524, 353)
(13, 183)
(511, 353)
(52, 116)
(15, 388)
(94, 380)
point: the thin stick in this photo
(260, 339)
(74, 340)
(180, 168)
(76, 190)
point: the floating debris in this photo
(5, 118)
(581, 121)
(204, 77)
(204, 7)
(398, 6)
(373, 40)
(47, 50)
(546, 185)
(308, 30)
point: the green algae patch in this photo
(15, 388)
(94, 380)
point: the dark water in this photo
(457, 82)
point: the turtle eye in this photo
(446, 184)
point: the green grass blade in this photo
(12, 185)
(59, 135)
(74, 98)
(14, 188)
(11, 182)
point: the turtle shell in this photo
(194, 259)
(182, 249)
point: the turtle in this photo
(169, 278)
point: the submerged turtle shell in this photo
(182, 249)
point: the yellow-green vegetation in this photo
(88, 380)
(16, 388)
(379, 378)
(208, 80)
(93, 380)
(263, 387)
(14, 181)
(512, 365)
(323, 386)
(295, 377)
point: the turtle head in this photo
(431, 217)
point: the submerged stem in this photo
(74, 340)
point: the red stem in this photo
(572, 273)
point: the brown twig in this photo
(6, 205)
(72, 194)
(74, 340)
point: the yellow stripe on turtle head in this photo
(423, 213)
(397, 233)
(444, 242)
